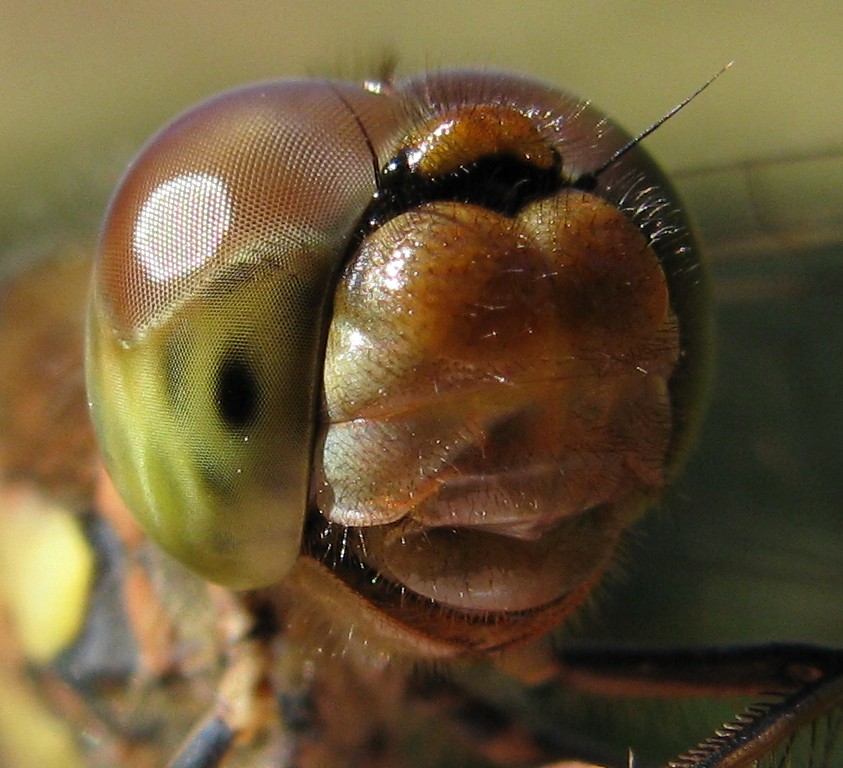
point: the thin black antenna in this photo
(592, 176)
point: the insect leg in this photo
(207, 746)
(801, 683)
(244, 704)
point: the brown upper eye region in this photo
(236, 390)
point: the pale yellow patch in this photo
(46, 570)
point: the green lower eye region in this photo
(206, 428)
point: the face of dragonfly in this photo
(295, 279)
(164, 330)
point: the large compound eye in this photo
(403, 336)
(209, 313)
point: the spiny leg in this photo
(799, 684)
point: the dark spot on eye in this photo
(237, 392)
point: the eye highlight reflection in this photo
(181, 225)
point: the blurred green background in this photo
(749, 546)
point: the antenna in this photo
(591, 177)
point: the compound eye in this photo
(208, 313)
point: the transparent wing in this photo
(750, 544)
